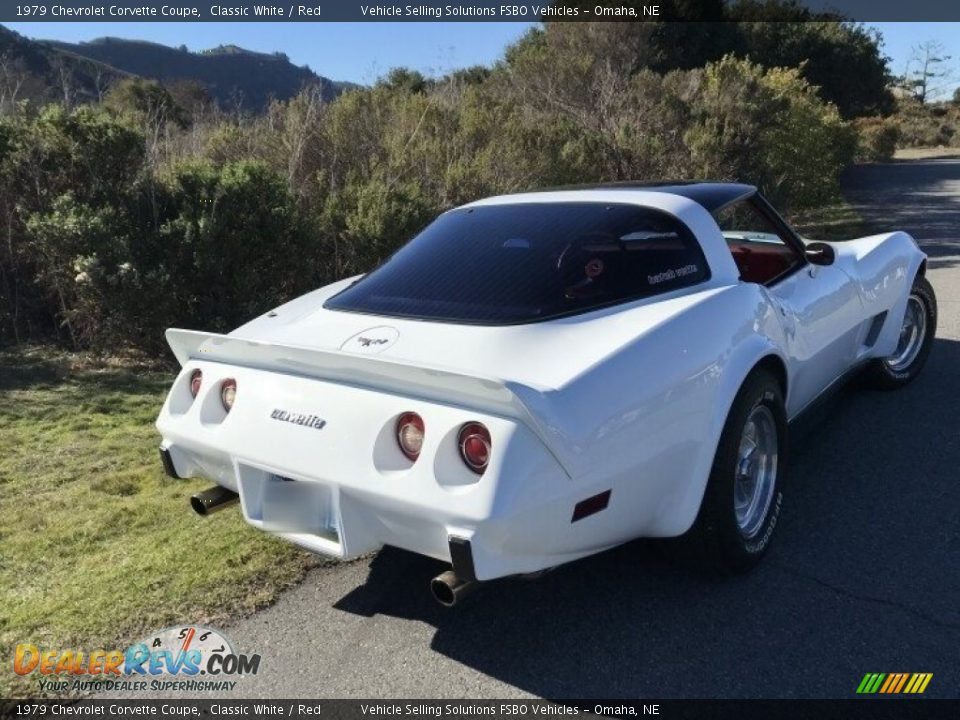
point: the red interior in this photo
(760, 263)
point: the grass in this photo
(97, 545)
(927, 153)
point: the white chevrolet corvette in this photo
(538, 377)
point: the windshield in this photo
(501, 264)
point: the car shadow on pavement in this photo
(862, 578)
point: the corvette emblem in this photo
(372, 340)
(310, 421)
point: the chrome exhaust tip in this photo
(209, 501)
(448, 589)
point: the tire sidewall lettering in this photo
(929, 308)
(757, 546)
(759, 543)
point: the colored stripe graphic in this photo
(870, 683)
(894, 683)
(903, 680)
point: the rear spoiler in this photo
(489, 395)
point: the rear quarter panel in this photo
(645, 422)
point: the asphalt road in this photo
(864, 575)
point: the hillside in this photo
(31, 70)
(230, 74)
(233, 76)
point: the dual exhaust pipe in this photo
(447, 588)
(209, 501)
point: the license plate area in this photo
(294, 506)
(289, 506)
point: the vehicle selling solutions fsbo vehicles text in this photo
(507, 10)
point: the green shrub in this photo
(103, 251)
(769, 128)
(67, 181)
(927, 125)
(228, 244)
(877, 139)
(116, 230)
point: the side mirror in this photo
(819, 253)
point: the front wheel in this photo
(917, 330)
(742, 502)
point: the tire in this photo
(908, 359)
(724, 538)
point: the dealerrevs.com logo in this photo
(187, 658)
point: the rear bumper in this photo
(459, 548)
(344, 489)
(343, 521)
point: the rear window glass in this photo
(502, 264)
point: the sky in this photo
(362, 52)
(356, 52)
(899, 38)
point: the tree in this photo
(13, 75)
(65, 82)
(148, 101)
(927, 74)
(152, 106)
(120, 219)
(400, 78)
(474, 75)
(581, 73)
(193, 97)
(842, 59)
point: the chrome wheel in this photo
(912, 333)
(756, 477)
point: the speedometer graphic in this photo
(187, 650)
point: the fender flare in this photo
(755, 352)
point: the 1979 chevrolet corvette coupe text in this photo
(538, 377)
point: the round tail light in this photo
(474, 442)
(228, 393)
(410, 435)
(196, 380)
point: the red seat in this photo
(760, 263)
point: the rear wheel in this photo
(917, 331)
(742, 502)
